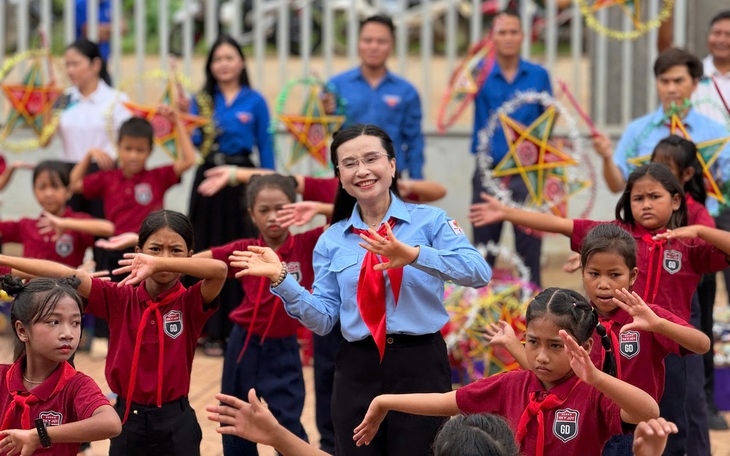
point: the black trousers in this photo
(325, 354)
(170, 430)
(411, 364)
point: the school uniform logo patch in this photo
(143, 193)
(294, 269)
(51, 418)
(456, 228)
(628, 344)
(672, 261)
(565, 426)
(65, 245)
(391, 100)
(173, 323)
(244, 117)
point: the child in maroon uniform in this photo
(131, 192)
(562, 405)
(59, 234)
(46, 407)
(154, 329)
(263, 351)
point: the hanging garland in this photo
(639, 27)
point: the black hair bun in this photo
(71, 281)
(11, 285)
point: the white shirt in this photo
(92, 121)
(706, 97)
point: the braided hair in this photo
(36, 300)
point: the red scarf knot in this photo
(371, 290)
(656, 250)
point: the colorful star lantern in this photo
(540, 161)
(312, 129)
(707, 153)
(471, 312)
(30, 101)
(631, 8)
(165, 131)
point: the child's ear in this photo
(632, 276)
(190, 253)
(21, 331)
(588, 345)
(137, 249)
(688, 174)
(676, 202)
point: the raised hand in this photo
(257, 261)
(215, 179)
(250, 420)
(580, 361)
(297, 214)
(602, 146)
(139, 266)
(49, 223)
(118, 242)
(490, 211)
(683, 232)
(366, 430)
(651, 436)
(500, 334)
(397, 253)
(644, 318)
(102, 159)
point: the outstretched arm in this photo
(492, 211)
(97, 227)
(253, 421)
(10, 170)
(503, 335)
(426, 404)
(636, 405)
(45, 268)
(611, 173)
(140, 266)
(718, 238)
(645, 319)
(426, 191)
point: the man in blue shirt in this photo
(511, 74)
(376, 96)
(677, 74)
(105, 26)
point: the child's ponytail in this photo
(609, 361)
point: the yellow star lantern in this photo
(312, 129)
(707, 153)
(540, 161)
(30, 101)
(632, 8)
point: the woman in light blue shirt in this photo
(380, 270)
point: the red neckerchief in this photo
(658, 247)
(371, 290)
(722, 98)
(24, 401)
(608, 324)
(152, 306)
(286, 246)
(535, 407)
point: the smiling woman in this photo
(384, 286)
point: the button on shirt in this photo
(87, 122)
(496, 91)
(644, 133)
(241, 125)
(445, 254)
(394, 106)
(707, 97)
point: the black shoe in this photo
(715, 421)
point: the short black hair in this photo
(665, 177)
(258, 182)
(58, 171)
(511, 12)
(380, 19)
(136, 127)
(678, 57)
(721, 16)
(165, 218)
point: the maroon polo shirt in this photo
(322, 189)
(68, 249)
(581, 425)
(128, 201)
(679, 264)
(78, 400)
(297, 253)
(697, 213)
(639, 354)
(183, 321)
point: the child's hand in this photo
(683, 232)
(490, 211)
(50, 223)
(23, 165)
(167, 112)
(365, 431)
(328, 102)
(138, 265)
(215, 179)
(118, 242)
(297, 214)
(257, 261)
(501, 334)
(102, 159)
(250, 420)
(602, 146)
(580, 361)
(572, 264)
(22, 442)
(650, 437)
(397, 253)
(644, 318)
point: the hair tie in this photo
(575, 305)
(5, 297)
